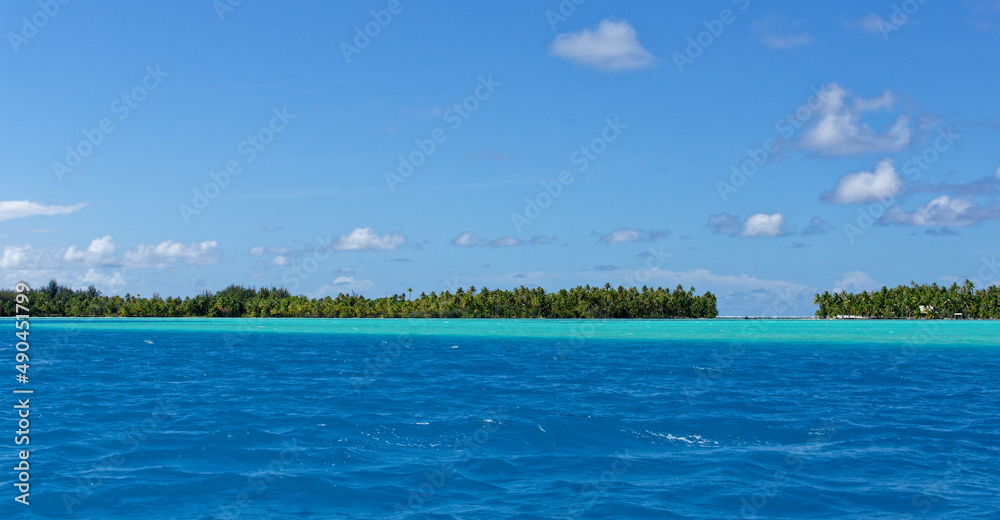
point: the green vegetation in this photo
(914, 301)
(239, 301)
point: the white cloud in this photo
(365, 239)
(871, 24)
(944, 211)
(780, 33)
(16, 257)
(866, 186)
(98, 253)
(613, 46)
(281, 261)
(542, 239)
(113, 282)
(11, 209)
(468, 239)
(342, 284)
(856, 281)
(731, 282)
(840, 130)
(756, 225)
(738, 294)
(505, 242)
(763, 225)
(625, 235)
(168, 252)
(268, 250)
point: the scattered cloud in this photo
(984, 13)
(856, 281)
(342, 284)
(764, 225)
(817, 226)
(281, 261)
(22, 262)
(724, 224)
(871, 24)
(984, 186)
(542, 240)
(113, 281)
(866, 186)
(780, 33)
(269, 250)
(840, 130)
(16, 257)
(943, 232)
(756, 225)
(944, 211)
(659, 253)
(626, 235)
(11, 209)
(365, 239)
(613, 46)
(605, 268)
(100, 252)
(743, 294)
(505, 242)
(170, 252)
(468, 239)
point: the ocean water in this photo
(505, 419)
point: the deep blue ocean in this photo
(479, 419)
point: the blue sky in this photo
(763, 151)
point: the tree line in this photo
(914, 301)
(249, 302)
